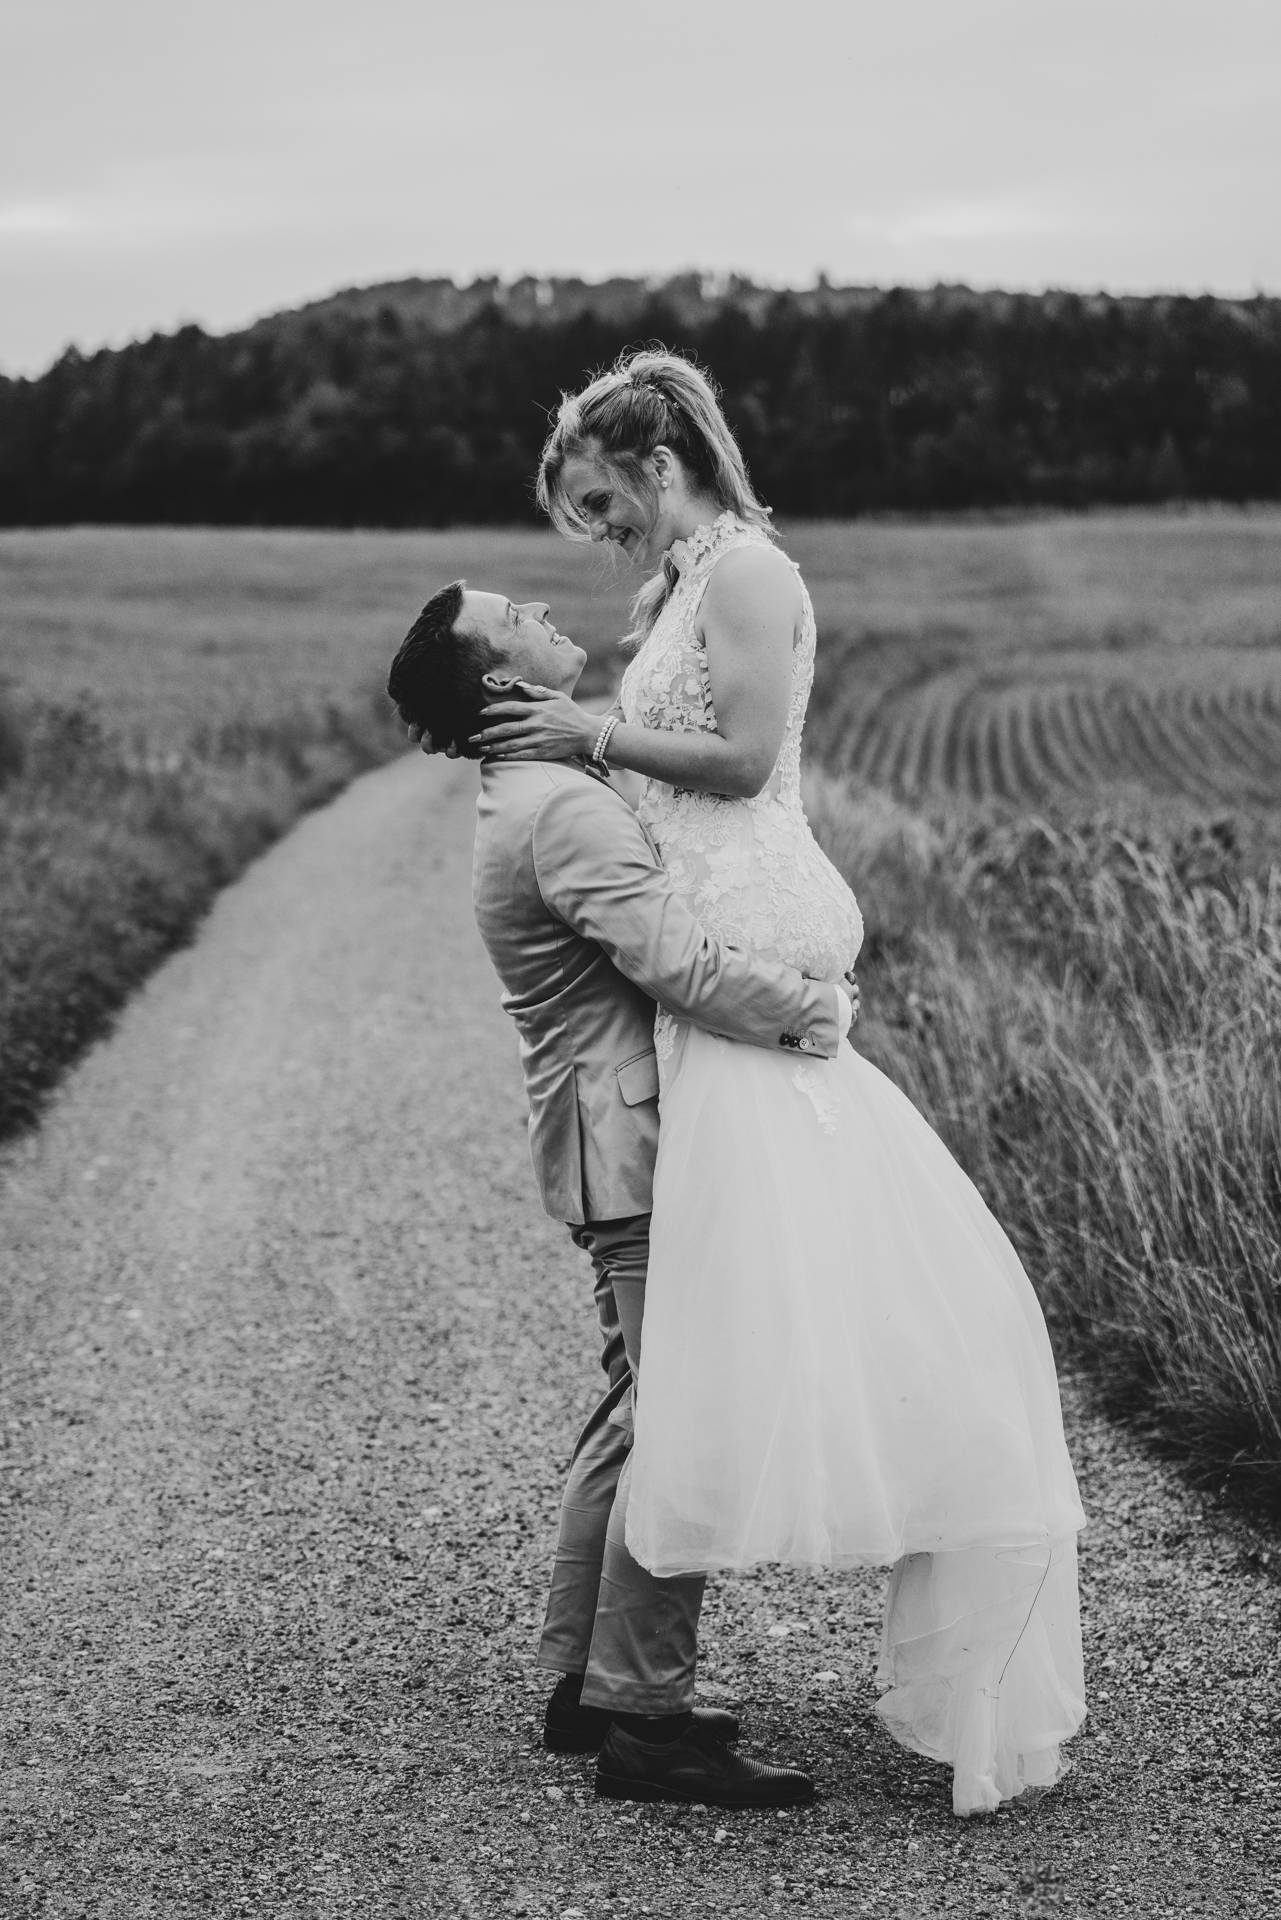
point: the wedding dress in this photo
(844, 1361)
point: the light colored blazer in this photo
(586, 934)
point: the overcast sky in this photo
(170, 160)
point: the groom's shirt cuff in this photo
(844, 1012)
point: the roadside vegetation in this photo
(1089, 1012)
(110, 850)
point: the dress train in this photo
(883, 1393)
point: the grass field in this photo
(1122, 656)
(169, 702)
(155, 624)
(165, 631)
(1047, 753)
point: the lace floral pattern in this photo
(819, 1091)
(750, 869)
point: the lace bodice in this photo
(750, 869)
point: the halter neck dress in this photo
(845, 1363)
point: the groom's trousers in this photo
(634, 1637)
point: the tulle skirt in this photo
(844, 1364)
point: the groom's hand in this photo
(855, 994)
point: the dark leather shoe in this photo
(631, 1769)
(570, 1727)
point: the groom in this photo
(586, 934)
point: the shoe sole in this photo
(571, 1743)
(613, 1786)
(556, 1742)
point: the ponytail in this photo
(648, 399)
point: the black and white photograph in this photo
(640, 961)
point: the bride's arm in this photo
(748, 621)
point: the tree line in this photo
(372, 409)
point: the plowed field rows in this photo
(1207, 730)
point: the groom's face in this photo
(525, 640)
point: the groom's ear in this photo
(498, 683)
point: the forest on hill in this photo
(420, 403)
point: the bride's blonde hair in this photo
(648, 399)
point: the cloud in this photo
(141, 214)
(36, 220)
(976, 218)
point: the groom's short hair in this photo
(435, 678)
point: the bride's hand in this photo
(541, 725)
(848, 985)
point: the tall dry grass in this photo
(112, 846)
(1092, 1019)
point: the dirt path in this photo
(290, 1367)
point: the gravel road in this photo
(291, 1364)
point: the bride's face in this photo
(610, 512)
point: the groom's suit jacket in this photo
(586, 933)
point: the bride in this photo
(845, 1363)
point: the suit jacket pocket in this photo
(638, 1078)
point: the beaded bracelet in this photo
(597, 755)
